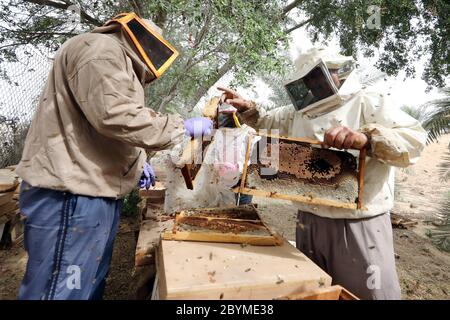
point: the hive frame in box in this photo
(272, 239)
(242, 189)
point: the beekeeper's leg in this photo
(66, 237)
(103, 269)
(357, 253)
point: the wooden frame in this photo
(272, 239)
(304, 199)
(190, 168)
(328, 293)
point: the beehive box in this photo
(228, 271)
(229, 225)
(299, 170)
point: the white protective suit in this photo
(397, 139)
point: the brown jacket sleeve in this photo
(112, 99)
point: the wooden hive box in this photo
(335, 292)
(295, 169)
(205, 270)
(155, 194)
(227, 225)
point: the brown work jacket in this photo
(91, 127)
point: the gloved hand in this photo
(148, 177)
(196, 127)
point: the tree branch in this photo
(137, 6)
(301, 24)
(13, 45)
(199, 36)
(64, 6)
(291, 6)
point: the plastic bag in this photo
(221, 169)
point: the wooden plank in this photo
(297, 198)
(335, 292)
(8, 207)
(9, 180)
(6, 197)
(204, 270)
(361, 173)
(157, 191)
(188, 160)
(247, 157)
(155, 194)
(328, 293)
(301, 140)
(223, 238)
(347, 295)
(191, 151)
(149, 236)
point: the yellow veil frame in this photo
(123, 20)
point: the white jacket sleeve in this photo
(280, 118)
(396, 138)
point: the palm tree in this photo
(437, 120)
(416, 113)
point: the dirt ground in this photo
(424, 271)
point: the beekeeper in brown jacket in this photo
(85, 151)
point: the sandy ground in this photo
(419, 190)
(424, 271)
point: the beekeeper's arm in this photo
(395, 137)
(107, 95)
(259, 118)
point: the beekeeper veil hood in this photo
(319, 79)
(157, 53)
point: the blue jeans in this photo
(69, 240)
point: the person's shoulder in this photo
(94, 45)
(88, 47)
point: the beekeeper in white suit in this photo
(354, 246)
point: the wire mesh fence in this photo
(20, 86)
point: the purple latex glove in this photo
(148, 177)
(196, 127)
